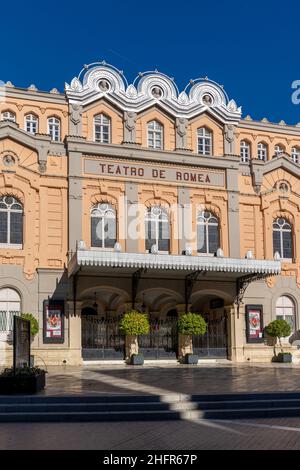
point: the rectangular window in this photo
(213, 238)
(276, 242)
(3, 227)
(96, 227)
(287, 245)
(201, 238)
(16, 228)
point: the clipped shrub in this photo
(34, 324)
(134, 323)
(191, 324)
(278, 329)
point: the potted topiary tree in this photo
(189, 324)
(133, 324)
(34, 329)
(279, 329)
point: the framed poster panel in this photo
(254, 323)
(53, 321)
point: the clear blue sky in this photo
(251, 48)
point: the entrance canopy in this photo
(87, 260)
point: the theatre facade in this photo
(116, 196)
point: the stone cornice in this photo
(137, 153)
(25, 94)
(268, 127)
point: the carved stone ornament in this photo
(207, 100)
(104, 85)
(156, 92)
(42, 166)
(181, 126)
(9, 160)
(229, 133)
(75, 113)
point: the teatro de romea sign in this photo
(154, 173)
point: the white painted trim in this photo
(174, 262)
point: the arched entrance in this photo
(100, 315)
(214, 344)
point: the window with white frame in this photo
(262, 151)
(278, 149)
(31, 123)
(245, 151)
(54, 128)
(102, 128)
(10, 305)
(282, 238)
(285, 310)
(8, 116)
(155, 135)
(11, 222)
(103, 226)
(204, 141)
(157, 229)
(208, 239)
(295, 155)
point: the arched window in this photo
(102, 128)
(285, 310)
(262, 151)
(245, 151)
(155, 135)
(295, 155)
(204, 141)
(31, 123)
(8, 116)
(279, 149)
(282, 238)
(10, 305)
(157, 229)
(103, 226)
(11, 222)
(54, 128)
(208, 239)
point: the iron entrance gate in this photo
(214, 343)
(101, 338)
(162, 341)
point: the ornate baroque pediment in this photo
(100, 80)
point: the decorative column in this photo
(236, 333)
(185, 343)
(75, 343)
(233, 212)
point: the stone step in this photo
(130, 398)
(147, 406)
(150, 415)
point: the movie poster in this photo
(54, 322)
(254, 325)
